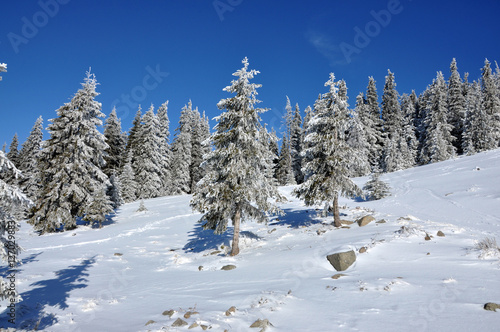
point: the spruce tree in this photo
(373, 125)
(408, 130)
(164, 125)
(71, 162)
(284, 172)
(456, 105)
(491, 105)
(127, 180)
(296, 137)
(376, 189)
(148, 165)
(117, 142)
(29, 154)
(13, 153)
(328, 156)
(238, 185)
(438, 138)
(197, 149)
(131, 148)
(356, 139)
(181, 152)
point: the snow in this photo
(141, 264)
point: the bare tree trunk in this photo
(336, 215)
(235, 249)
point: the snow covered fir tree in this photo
(238, 184)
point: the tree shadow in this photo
(297, 218)
(30, 314)
(109, 221)
(204, 239)
(4, 270)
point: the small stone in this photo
(215, 252)
(381, 221)
(179, 322)
(491, 306)
(346, 222)
(150, 322)
(346, 227)
(272, 230)
(427, 237)
(339, 275)
(192, 326)
(261, 323)
(168, 313)
(231, 311)
(428, 253)
(200, 268)
(439, 233)
(228, 267)
(362, 250)
(190, 313)
(365, 220)
(204, 327)
(73, 234)
(118, 254)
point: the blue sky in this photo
(150, 51)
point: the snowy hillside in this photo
(142, 264)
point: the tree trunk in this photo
(336, 215)
(235, 249)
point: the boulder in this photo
(342, 260)
(338, 275)
(231, 311)
(491, 306)
(150, 322)
(362, 250)
(439, 233)
(365, 220)
(261, 323)
(168, 313)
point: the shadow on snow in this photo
(30, 314)
(204, 239)
(297, 218)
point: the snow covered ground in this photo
(142, 264)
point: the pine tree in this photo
(117, 142)
(197, 149)
(12, 200)
(99, 206)
(456, 105)
(29, 154)
(148, 165)
(71, 162)
(164, 148)
(328, 156)
(296, 145)
(438, 138)
(114, 191)
(491, 105)
(131, 148)
(356, 139)
(373, 125)
(376, 189)
(284, 172)
(181, 152)
(408, 130)
(13, 154)
(238, 184)
(127, 179)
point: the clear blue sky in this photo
(294, 44)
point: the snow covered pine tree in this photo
(238, 184)
(328, 157)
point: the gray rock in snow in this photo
(342, 260)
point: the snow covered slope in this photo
(141, 264)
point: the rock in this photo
(272, 230)
(231, 311)
(200, 268)
(179, 322)
(192, 326)
(491, 306)
(190, 313)
(215, 252)
(439, 233)
(365, 220)
(204, 327)
(342, 260)
(339, 275)
(346, 222)
(381, 221)
(228, 267)
(427, 237)
(261, 323)
(150, 322)
(362, 250)
(346, 227)
(118, 254)
(168, 313)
